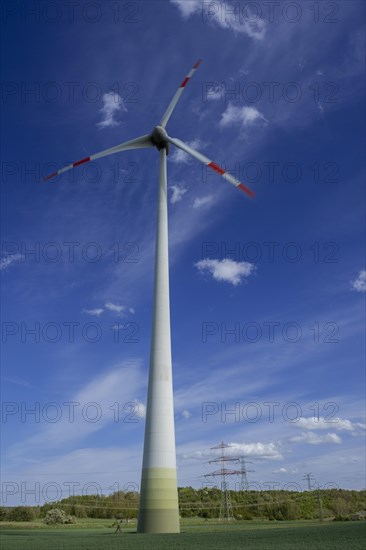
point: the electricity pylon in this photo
(226, 509)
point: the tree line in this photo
(205, 503)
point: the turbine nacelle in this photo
(159, 138)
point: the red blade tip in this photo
(246, 190)
(46, 178)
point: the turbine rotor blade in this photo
(187, 149)
(178, 93)
(138, 143)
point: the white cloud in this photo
(180, 156)
(320, 107)
(315, 439)
(359, 284)
(97, 312)
(285, 471)
(243, 116)
(188, 7)
(270, 451)
(116, 308)
(263, 450)
(186, 414)
(213, 93)
(336, 423)
(140, 409)
(217, 13)
(117, 326)
(254, 29)
(112, 104)
(6, 262)
(280, 471)
(177, 194)
(226, 270)
(202, 201)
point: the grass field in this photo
(251, 535)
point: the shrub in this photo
(57, 516)
(339, 517)
(3, 513)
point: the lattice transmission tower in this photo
(244, 470)
(226, 509)
(310, 480)
(312, 485)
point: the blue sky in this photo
(279, 100)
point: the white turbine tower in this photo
(158, 510)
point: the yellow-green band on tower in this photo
(158, 510)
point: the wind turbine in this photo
(158, 510)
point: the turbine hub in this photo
(159, 137)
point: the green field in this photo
(252, 535)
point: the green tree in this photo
(21, 513)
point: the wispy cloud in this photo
(226, 270)
(116, 308)
(97, 312)
(315, 439)
(359, 284)
(6, 262)
(338, 424)
(213, 92)
(117, 385)
(180, 157)
(178, 193)
(218, 13)
(188, 7)
(286, 471)
(202, 201)
(118, 463)
(18, 382)
(112, 105)
(243, 116)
